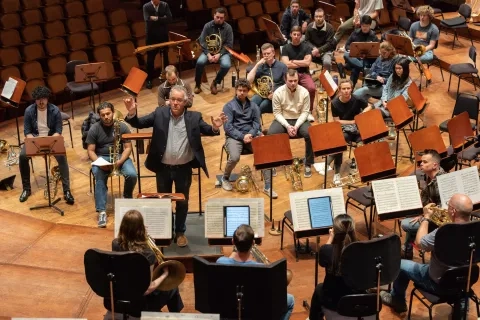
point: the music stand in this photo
(183, 48)
(327, 83)
(402, 45)
(427, 138)
(365, 265)
(364, 50)
(134, 82)
(45, 146)
(14, 99)
(238, 57)
(419, 102)
(327, 139)
(275, 36)
(271, 151)
(121, 278)
(401, 116)
(371, 125)
(458, 128)
(91, 72)
(238, 295)
(374, 161)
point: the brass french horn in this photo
(245, 181)
(214, 43)
(292, 173)
(440, 216)
(263, 86)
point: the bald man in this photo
(427, 275)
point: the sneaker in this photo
(336, 179)
(197, 89)
(308, 171)
(397, 305)
(182, 241)
(310, 118)
(102, 219)
(274, 172)
(267, 192)
(226, 185)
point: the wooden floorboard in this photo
(54, 247)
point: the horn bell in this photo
(176, 275)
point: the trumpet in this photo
(440, 216)
(176, 269)
(350, 179)
(260, 257)
(292, 173)
(246, 180)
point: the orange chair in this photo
(194, 5)
(31, 4)
(97, 21)
(75, 9)
(237, 11)
(31, 85)
(56, 46)
(128, 63)
(57, 64)
(227, 3)
(33, 51)
(117, 17)
(78, 55)
(52, 2)
(271, 7)
(9, 56)
(212, 4)
(254, 9)
(125, 49)
(94, 6)
(78, 41)
(100, 37)
(102, 53)
(8, 6)
(54, 29)
(32, 33)
(32, 70)
(121, 33)
(10, 38)
(138, 29)
(33, 16)
(75, 25)
(52, 13)
(10, 71)
(10, 21)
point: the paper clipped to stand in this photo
(100, 162)
(214, 223)
(396, 194)
(9, 88)
(157, 215)
(299, 205)
(463, 181)
(330, 80)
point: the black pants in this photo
(151, 57)
(316, 312)
(158, 299)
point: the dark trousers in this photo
(158, 299)
(338, 157)
(25, 170)
(316, 312)
(151, 56)
(181, 175)
(302, 132)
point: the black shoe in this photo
(25, 194)
(68, 197)
(341, 70)
(397, 305)
(149, 84)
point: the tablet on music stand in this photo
(235, 216)
(320, 211)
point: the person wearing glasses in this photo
(176, 148)
(171, 74)
(429, 193)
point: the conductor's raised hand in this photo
(131, 106)
(218, 121)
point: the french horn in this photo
(440, 216)
(246, 180)
(292, 173)
(263, 86)
(214, 43)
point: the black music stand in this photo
(364, 50)
(238, 295)
(271, 151)
(45, 146)
(365, 265)
(274, 34)
(91, 72)
(183, 48)
(121, 278)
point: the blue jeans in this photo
(264, 104)
(101, 180)
(290, 304)
(366, 93)
(410, 232)
(427, 57)
(225, 64)
(414, 271)
(356, 65)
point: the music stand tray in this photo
(427, 138)
(402, 44)
(364, 50)
(134, 82)
(273, 32)
(371, 125)
(458, 128)
(91, 72)
(46, 146)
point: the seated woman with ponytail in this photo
(328, 294)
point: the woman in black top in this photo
(328, 294)
(132, 236)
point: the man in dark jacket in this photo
(294, 16)
(176, 148)
(157, 15)
(320, 35)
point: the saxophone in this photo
(292, 173)
(115, 149)
(440, 216)
(260, 257)
(54, 177)
(246, 180)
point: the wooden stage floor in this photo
(41, 261)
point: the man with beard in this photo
(320, 36)
(99, 140)
(43, 119)
(294, 16)
(216, 35)
(171, 74)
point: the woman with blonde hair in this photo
(132, 236)
(378, 74)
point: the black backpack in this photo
(87, 123)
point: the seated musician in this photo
(172, 79)
(242, 126)
(326, 296)
(268, 74)
(43, 119)
(364, 34)
(101, 140)
(380, 71)
(345, 107)
(424, 33)
(427, 275)
(290, 108)
(430, 166)
(363, 8)
(132, 236)
(298, 55)
(243, 240)
(320, 35)
(397, 84)
(216, 35)
(294, 16)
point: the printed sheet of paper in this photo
(9, 88)
(396, 194)
(464, 181)
(332, 83)
(214, 226)
(100, 162)
(299, 205)
(157, 215)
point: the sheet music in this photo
(332, 83)
(9, 88)
(464, 181)
(157, 215)
(396, 194)
(100, 162)
(299, 205)
(214, 226)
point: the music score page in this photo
(464, 181)
(214, 225)
(396, 194)
(299, 205)
(157, 215)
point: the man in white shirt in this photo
(362, 7)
